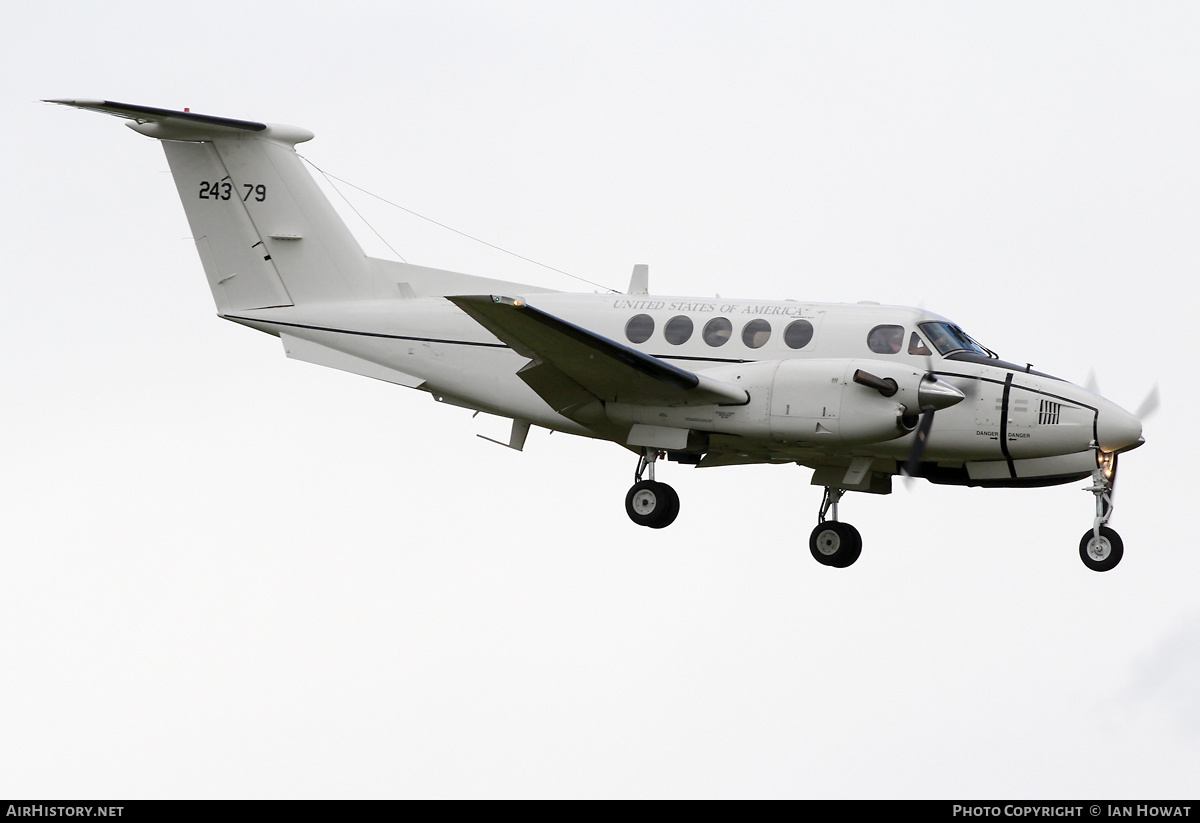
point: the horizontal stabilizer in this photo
(608, 370)
(168, 124)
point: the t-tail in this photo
(267, 235)
(265, 232)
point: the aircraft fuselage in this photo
(1013, 424)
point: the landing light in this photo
(1106, 461)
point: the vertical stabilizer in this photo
(266, 233)
(240, 268)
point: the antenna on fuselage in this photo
(640, 282)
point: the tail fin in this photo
(266, 234)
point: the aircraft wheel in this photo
(652, 504)
(1101, 554)
(835, 544)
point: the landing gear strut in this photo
(1100, 548)
(833, 543)
(650, 503)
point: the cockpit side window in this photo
(948, 338)
(885, 339)
(917, 346)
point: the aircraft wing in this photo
(571, 365)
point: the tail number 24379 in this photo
(223, 190)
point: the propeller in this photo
(1149, 404)
(1145, 409)
(929, 403)
(913, 465)
(932, 394)
(914, 456)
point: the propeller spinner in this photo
(932, 394)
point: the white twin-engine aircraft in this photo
(859, 393)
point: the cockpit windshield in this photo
(948, 338)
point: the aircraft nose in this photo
(1117, 429)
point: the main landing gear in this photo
(833, 543)
(1100, 548)
(650, 503)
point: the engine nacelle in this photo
(820, 400)
(837, 401)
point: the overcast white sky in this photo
(227, 574)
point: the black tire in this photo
(1102, 555)
(835, 544)
(672, 506)
(855, 549)
(652, 504)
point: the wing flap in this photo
(606, 369)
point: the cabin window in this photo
(756, 333)
(718, 331)
(639, 328)
(917, 346)
(885, 339)
(678, 330)
(798, 334)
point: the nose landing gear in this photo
(650, 503)
(1100, 548)
(833, 543)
